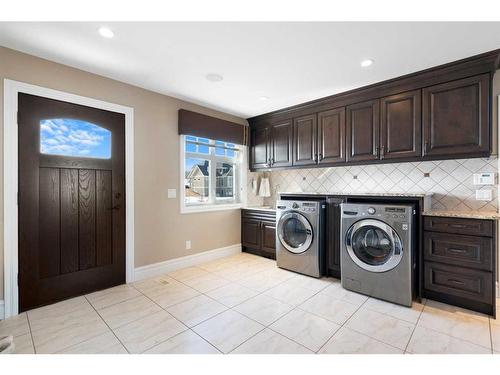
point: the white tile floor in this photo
(245, 304)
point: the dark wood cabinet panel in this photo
(401, 126)
(258, 232)
(455, 225)
(464, 251)
(260, 153)
(250, 233)
(332, 244)
(456, 117)
(281, 144)
(363, 131)
(459, 262)
(331, 136)
(304, 140)
(268, 232)
(459, 282)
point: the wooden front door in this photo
(71, 200)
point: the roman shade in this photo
(199, 125)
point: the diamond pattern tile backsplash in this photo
(450, 181)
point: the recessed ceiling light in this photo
(264, 97)
(106, 32)
(366, 63)
(214, 77)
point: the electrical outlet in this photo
(188, 245)
(484, 195)
(171, 193)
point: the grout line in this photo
(113, 332)
(31, 332)
(187, 327)
(415, 327)
(342, 325)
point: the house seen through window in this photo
(211, 170)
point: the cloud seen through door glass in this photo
(70, 137)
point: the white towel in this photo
(254, 186)
(265, 189)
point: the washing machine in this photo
(299, 236)
(377, 250)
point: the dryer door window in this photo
(374, 245)
(295, 232)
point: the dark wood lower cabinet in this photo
(332, 242)
(258, 232)
(460, 269)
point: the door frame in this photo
(10, 182)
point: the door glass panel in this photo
(70, 137)
(372, 245)
(294, 232)
(197, 180)
(224, 187)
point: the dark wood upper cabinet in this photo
(281, 144)
(331, 136)
(439, 113)
(456, 119)
(363, 131)
(304, 140)
(401, 126)
(260, 153)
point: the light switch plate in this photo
(188, 245)
(172, 193)
(487, 178)
(484, 195)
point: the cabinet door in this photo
(363, 131)
(268, 237)
(333, 240)
(281, 144)
(456, 118)
(250, 233)
(259, 147)
(304, 140)
(331, 136)
(400, 127)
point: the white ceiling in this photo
(288, 62)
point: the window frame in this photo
(214, 203)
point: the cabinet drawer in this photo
(453, 249)
(459, 282)
(474, 227)
(258, 215)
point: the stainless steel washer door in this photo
(374, 245)
(295, 232)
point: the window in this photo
(211, 174)
(69, 137)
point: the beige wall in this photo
(160, 230)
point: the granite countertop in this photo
(260, 208)
(417, 195)
(492, 215)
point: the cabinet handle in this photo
(455, 281)
(458, 226)
(382, 152)
(426, 147)
(458, 251)
(320, 156)
(377, 152)
(272, 161)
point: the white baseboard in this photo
(2, 309)
(157, 269)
